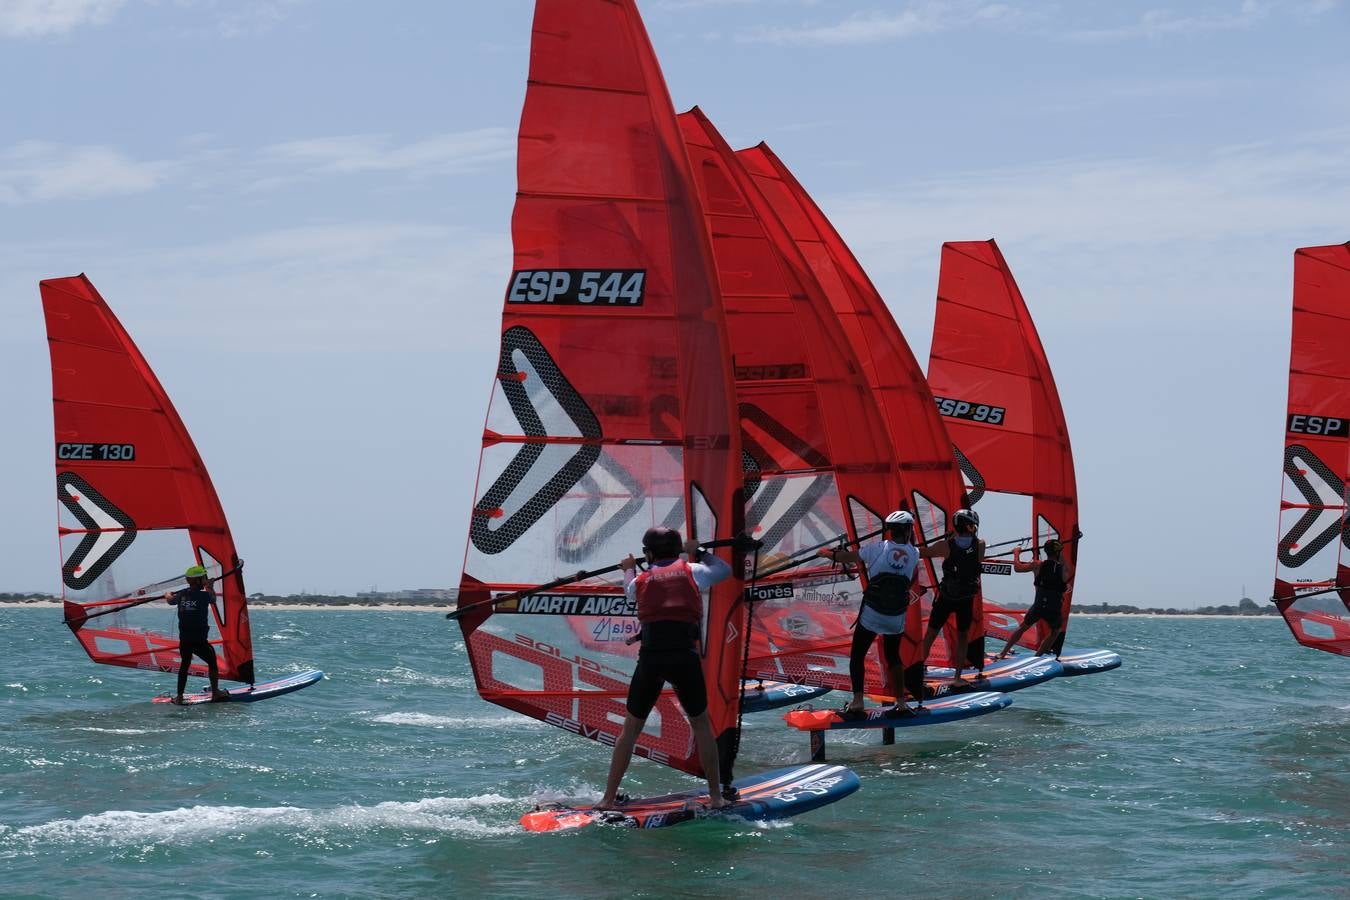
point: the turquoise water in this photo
(1215, 762)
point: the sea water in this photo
(1215, 762)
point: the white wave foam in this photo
(122, 828)
(424, 720)
(17, 686)
(113, 730)
(404, 675)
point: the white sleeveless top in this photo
(888, 556)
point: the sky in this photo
(300, 210)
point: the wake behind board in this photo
(770, 795)
(1000, 675)
(947, 709)
(250, 694)
(766, 695)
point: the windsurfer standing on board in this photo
(669, 599)
(963, 554)
(194, 602)
(1053, 577)
(890, 566)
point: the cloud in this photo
(1162, 23)
(919, 18)
(1158, 23)
(1294, 188)
(34, 171)
(237, 18)
(926, 17)
(452, 153)
(327, 286)
(39, 18)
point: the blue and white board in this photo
(769, 795)
(251, 694)
(1089, 662)
(765, 695)
(952, 708)
(1001, 675)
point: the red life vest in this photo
(669, 594)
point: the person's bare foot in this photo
(177, 698)
(612, 802)
(218, 695)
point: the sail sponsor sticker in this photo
(96, 452)
(996, 568)
(621, 288)
(782, 591)
(1319, 426)
(571, 605)
(969, 409)
(772, 372)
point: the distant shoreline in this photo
(449, 607)
(255, 607)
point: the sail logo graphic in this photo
(769, 592)
(784, 481)
(1323, 497)
(572, 605)
(545, 404)
(966, 409)
(107, 531)
(817, 788)
(996, 568)
(974, 481)
(779, 372)
(1318, 426)
(578, 287)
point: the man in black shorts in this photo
(669, 599)
(1053, 577)
(194, 605)
(962, 554)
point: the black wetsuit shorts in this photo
(190, 645)
(1046, 609)
(946, 605)
(681, 669)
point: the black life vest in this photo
(887, 593)
(1050, 581)
(961, 569)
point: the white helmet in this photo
(900, 524)
(898, 518)
(966, 515)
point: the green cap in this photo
(195, 572)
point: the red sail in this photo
(1312, 579)
(929, 477)
(613, 407)
(135, 504)
(819, 465)
(993, 385)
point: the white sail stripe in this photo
(808, 774)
